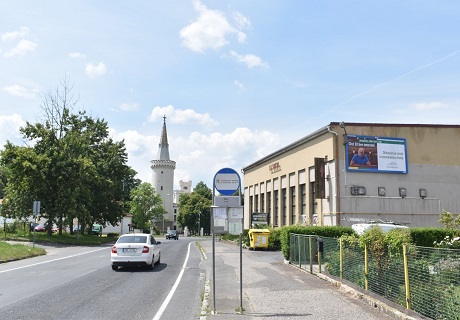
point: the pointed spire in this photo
(164, 134)
(163, 149)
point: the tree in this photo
(203, 190)
(145, 205)
(72, 166)
(194, 209)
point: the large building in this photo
(407, 173)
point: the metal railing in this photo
(425, 280)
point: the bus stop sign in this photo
(227, 181)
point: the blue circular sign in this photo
(227, 181)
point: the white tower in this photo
(163, 178)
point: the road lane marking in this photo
(173, 289)
(43, 262)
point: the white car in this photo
(360, 228)
(135, 249)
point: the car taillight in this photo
(145, 250)
(114, 249)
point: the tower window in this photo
(161, 188)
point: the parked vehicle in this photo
(360, 228)
(40, 228)
(97, 229)
(172, 234)
(135, 249)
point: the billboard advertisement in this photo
(376, 154)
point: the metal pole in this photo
(311, 254)
(213, 274)
(241, 274)
(406, 277)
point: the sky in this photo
(236, 80)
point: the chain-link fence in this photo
(426, 280)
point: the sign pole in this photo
(226, 218)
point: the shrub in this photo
(428, 237)
(329, 232)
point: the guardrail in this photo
(425, 280)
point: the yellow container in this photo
(258, 238)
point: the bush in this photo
(329, 232)
(428, 237)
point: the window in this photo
(283, 206)
(276, 208)
(262, 203)
(303, 200)
(293, 205)
(269, 206)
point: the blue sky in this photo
(236, 80)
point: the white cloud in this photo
(425, 106)
(93, 71)
(19, 91)
(9, 128)
(250, 60)
(241, 20)
(21, 33)
(77, 55)
(199, 156)
(239, 85)
(22, 47)
(181, 116)
(129, 107)
(208, 31)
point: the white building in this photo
(163, 180)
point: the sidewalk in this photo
(274, 289)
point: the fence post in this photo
(366, 269)
(311, 254)
(300, 251)
(341, 258)
(319, 242)
(406, 276)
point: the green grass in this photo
(11, 252)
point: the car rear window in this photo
(133, 239)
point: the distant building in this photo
(400, 172)
(163, 180)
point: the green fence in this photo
(426, 280)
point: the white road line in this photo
(38, 263)
(173, 289)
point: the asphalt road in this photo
(78, 283)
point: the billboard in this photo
(376, 154)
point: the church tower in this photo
(163, 179)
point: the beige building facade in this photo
(411, 176)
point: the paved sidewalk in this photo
(274, 289)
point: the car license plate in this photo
(129, 250)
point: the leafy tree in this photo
(449, 220)
(194, 209)
(145, 205)
(72, 166)
(202, 189)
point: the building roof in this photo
(163, 148)
(341, 124)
